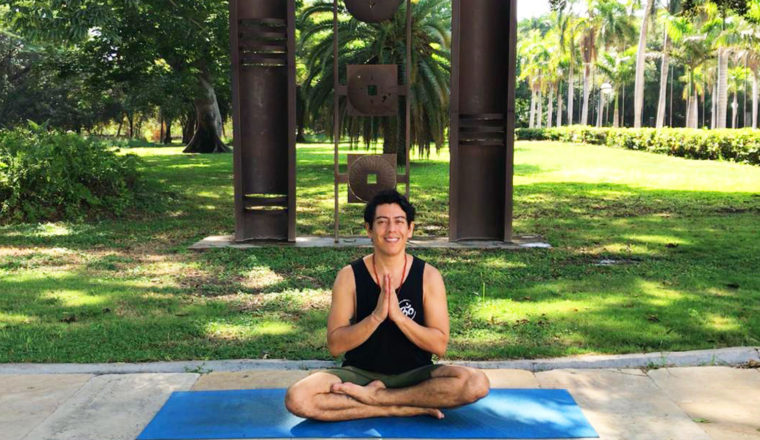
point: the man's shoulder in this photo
(345, 271)
(431, 274)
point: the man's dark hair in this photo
(387, 197)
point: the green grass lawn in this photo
(685, 234)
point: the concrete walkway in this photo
(690, 403)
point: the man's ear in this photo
(368, 228)
(411, 229)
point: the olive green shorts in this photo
(363, 377)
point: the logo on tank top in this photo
(407, 309)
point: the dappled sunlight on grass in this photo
(8, 319)
(53, 230)
(722, 323)
(261, 277)
(657, 239)
(252, 328)
(655, 294)
(74, 298)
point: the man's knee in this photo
(476, 385)
(298, 402)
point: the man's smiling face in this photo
(390, 229)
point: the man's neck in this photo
(388, 263)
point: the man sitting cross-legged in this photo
(388, 333)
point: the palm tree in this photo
(737, 78)
(750, 56)
(567, 32)
(691, 49)
(638, 94)
(381, 43)
(694, 79)
(666, 17)
(618, 69)
(607, 24)
(534, 55)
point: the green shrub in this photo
(728, 144)
(50, 176)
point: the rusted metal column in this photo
(262, 40)
(482, 119)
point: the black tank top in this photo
(388, 350)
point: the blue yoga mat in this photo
(240, 414)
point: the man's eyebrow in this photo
(386, 217)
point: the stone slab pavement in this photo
(689, 403)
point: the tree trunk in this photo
(616, 118)
(714, 106)
(167, 139)
(734, 112)
(540, 111)
(570, 97)
(638, 94)
(188, 126)
(722, 88)
(754, 99)
(532, 109)
(161, 128)
(622, 111)
(664, 68)
(586, 92)
(600, 109)
(691, 112)
(121, 123)
(559, 106)
(694, 113)
(207, 134)
(131, 120)
(300, 114)
(550, 113)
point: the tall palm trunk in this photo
(559, 107)
(586, 92)
(664, 68)
(638, 94)
(714, 106)
(734, 112)
(531, 124)
(616, 117)
(540, 110)
(722, 88)
(600, 109)
(754, 99)
(551, 108)
(570, 97)
(694, 112)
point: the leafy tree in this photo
(135, 40)
(380, 43)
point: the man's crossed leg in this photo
(324, 396)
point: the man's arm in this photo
(343, 336)
(434, 335)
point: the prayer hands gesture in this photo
(387, 303)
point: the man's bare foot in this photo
(409, 411)
(364, 394)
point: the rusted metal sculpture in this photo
(482, 119)
(262, 39)
(371, 90)
(372, 11)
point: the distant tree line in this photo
(691, 63)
